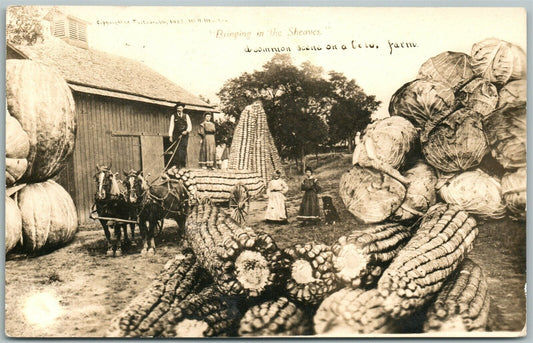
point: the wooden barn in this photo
(123, 109)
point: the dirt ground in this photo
(75, 291)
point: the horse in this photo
(110, 202)
(167, 199)
(134, 193)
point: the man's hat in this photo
(178, 106)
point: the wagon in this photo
(232, 188)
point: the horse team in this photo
(130, 201)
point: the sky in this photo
(199, 48)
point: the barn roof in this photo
(102, 73)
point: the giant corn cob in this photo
(463, 303)
(275, 318)
(206, 314)
(218, 185)
(349, 312)
(419, 270)
(360, 258)
(241, 261)
(185, 176)
(312, 277)
(252, 147)
(179, 278)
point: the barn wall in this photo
(109, 132)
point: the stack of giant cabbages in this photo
(458, 132)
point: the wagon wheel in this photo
(239, 202)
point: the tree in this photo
(23, 25)
(224, 130)
(295, 99)
(350, 110)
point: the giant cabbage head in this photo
(498, 61)
(513, 93)
(422, 101)
(506, 130)
(514, 188)
(388, 140)
(476, 192)
(479, 95)
(451, 68)
(457, 143)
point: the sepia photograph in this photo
(258, 171)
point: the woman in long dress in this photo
(310, 208)
(207, 149)
(276, 210)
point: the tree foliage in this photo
(350, 110)
(224, 130)
(23, 25)
(299, 102)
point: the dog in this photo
(330, 212)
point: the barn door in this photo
(152, 156)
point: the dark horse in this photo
(165, 199)
(110, 201)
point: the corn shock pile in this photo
(253, 147)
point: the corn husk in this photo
(450, 68)
(498, 61)
(513, 93)
(476, 192)
(479, 95)
(370, 195)
(506, 130)
(388, 140)
(458, 143)
(253, 147)
(421, 194)
(421, 101)
(514, 187)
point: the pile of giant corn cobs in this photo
(232, 280)
(410, 265)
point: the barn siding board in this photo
(92, 156)
(81, 154)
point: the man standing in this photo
(179, 129)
